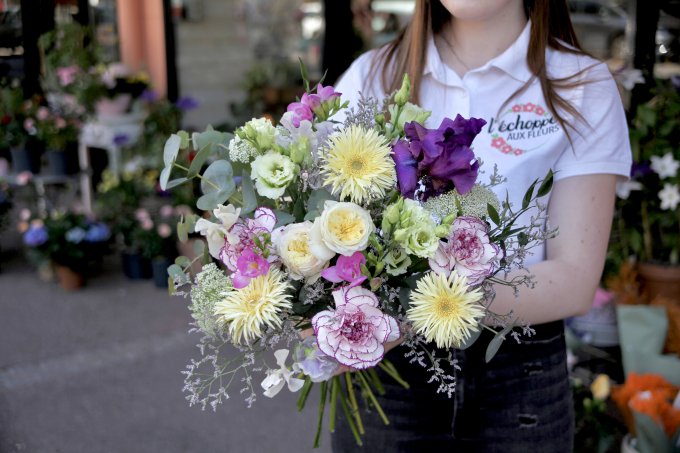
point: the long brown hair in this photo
(550, 27)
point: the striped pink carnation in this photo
(356, 331)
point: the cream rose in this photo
(341, 228)
(293, 246)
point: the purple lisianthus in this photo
(313, 363)
(300, 112)
(186, 103)
(35, 236)
(356, 331)
(467, 251)
(441, 159)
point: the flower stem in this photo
(304, 393)
(372, 397)
(376, 381)
(392, 372)
(353, 402)
(322, 408)
(335, 384)
(348, 415)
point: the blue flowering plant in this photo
(65, 238)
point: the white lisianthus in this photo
(341, 228)
(215, 232)
(669, 196)
(261, 132)
(272, 173)
(666, 166)
(410, 112)
(293, 246)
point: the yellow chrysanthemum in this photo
(443, 310)
(248, 310)
(358, 165)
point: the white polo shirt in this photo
(523, 140)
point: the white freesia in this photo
(293, 246)
(272, 173)
(666, 166)
(341, 228)
(669, 196)
(623, 189)
(276, 379)
(215, 232)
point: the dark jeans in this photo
(519, 402)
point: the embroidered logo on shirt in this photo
(522, 128)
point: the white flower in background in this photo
(276, 379)
(341, 228)
(623, 189)
(628, 78)
(272, 173)
(215, 232)
(292, 245)
(670, 196)
(666, 166)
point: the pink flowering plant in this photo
(337, 240)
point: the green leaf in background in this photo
(164, 178)
(495, 343)
(199, 159)
(493, 214)
(171, 149)
(470, 341)
(249, 195)
(182, 261)
(283, 218)
(218, 177)
(315, 203)
(199, 247)
(175, 182)
(529, 195)
(182, 232)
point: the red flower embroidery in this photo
(506, 149)
(518, 152)
(529, 107)
(539, 110)
(517, 108)
(497, 142)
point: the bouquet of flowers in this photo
(336, 239)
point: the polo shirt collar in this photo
(512, 61)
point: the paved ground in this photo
(98, 371)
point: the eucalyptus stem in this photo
(353, 402)
(182, 167)
(322, 408)
(372, 397)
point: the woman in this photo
(516, 64)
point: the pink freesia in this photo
(467, 251)
(67, 74)
(249, 265)
(346, 269)
(300, 113)
(311, 100)
(356, 331)
(242, 235)
(326, 93)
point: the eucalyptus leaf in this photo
(283, 218)
(209, 201)
(211, 139)
(176, 271)
(164, 178)
(495, 343)
(249, 195)
(218, 177)
(199, 246)
(171, 149)
(182, 232)
(175, 182)
(182, 261)
(405, 297)
(199, 159)
(471, 340)
(317, 199)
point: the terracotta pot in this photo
(69, 279)
(660, 280)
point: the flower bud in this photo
(442, 231)
(404, 92)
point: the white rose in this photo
(272, 173)
(228, 215)
(341, 228)
(293, 246)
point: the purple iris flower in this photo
(186, 103)
(439, 158)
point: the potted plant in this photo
(648, 209)
(70, 241)
(154, 237)
(59, 133)
(5, 199)
(12, 133)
